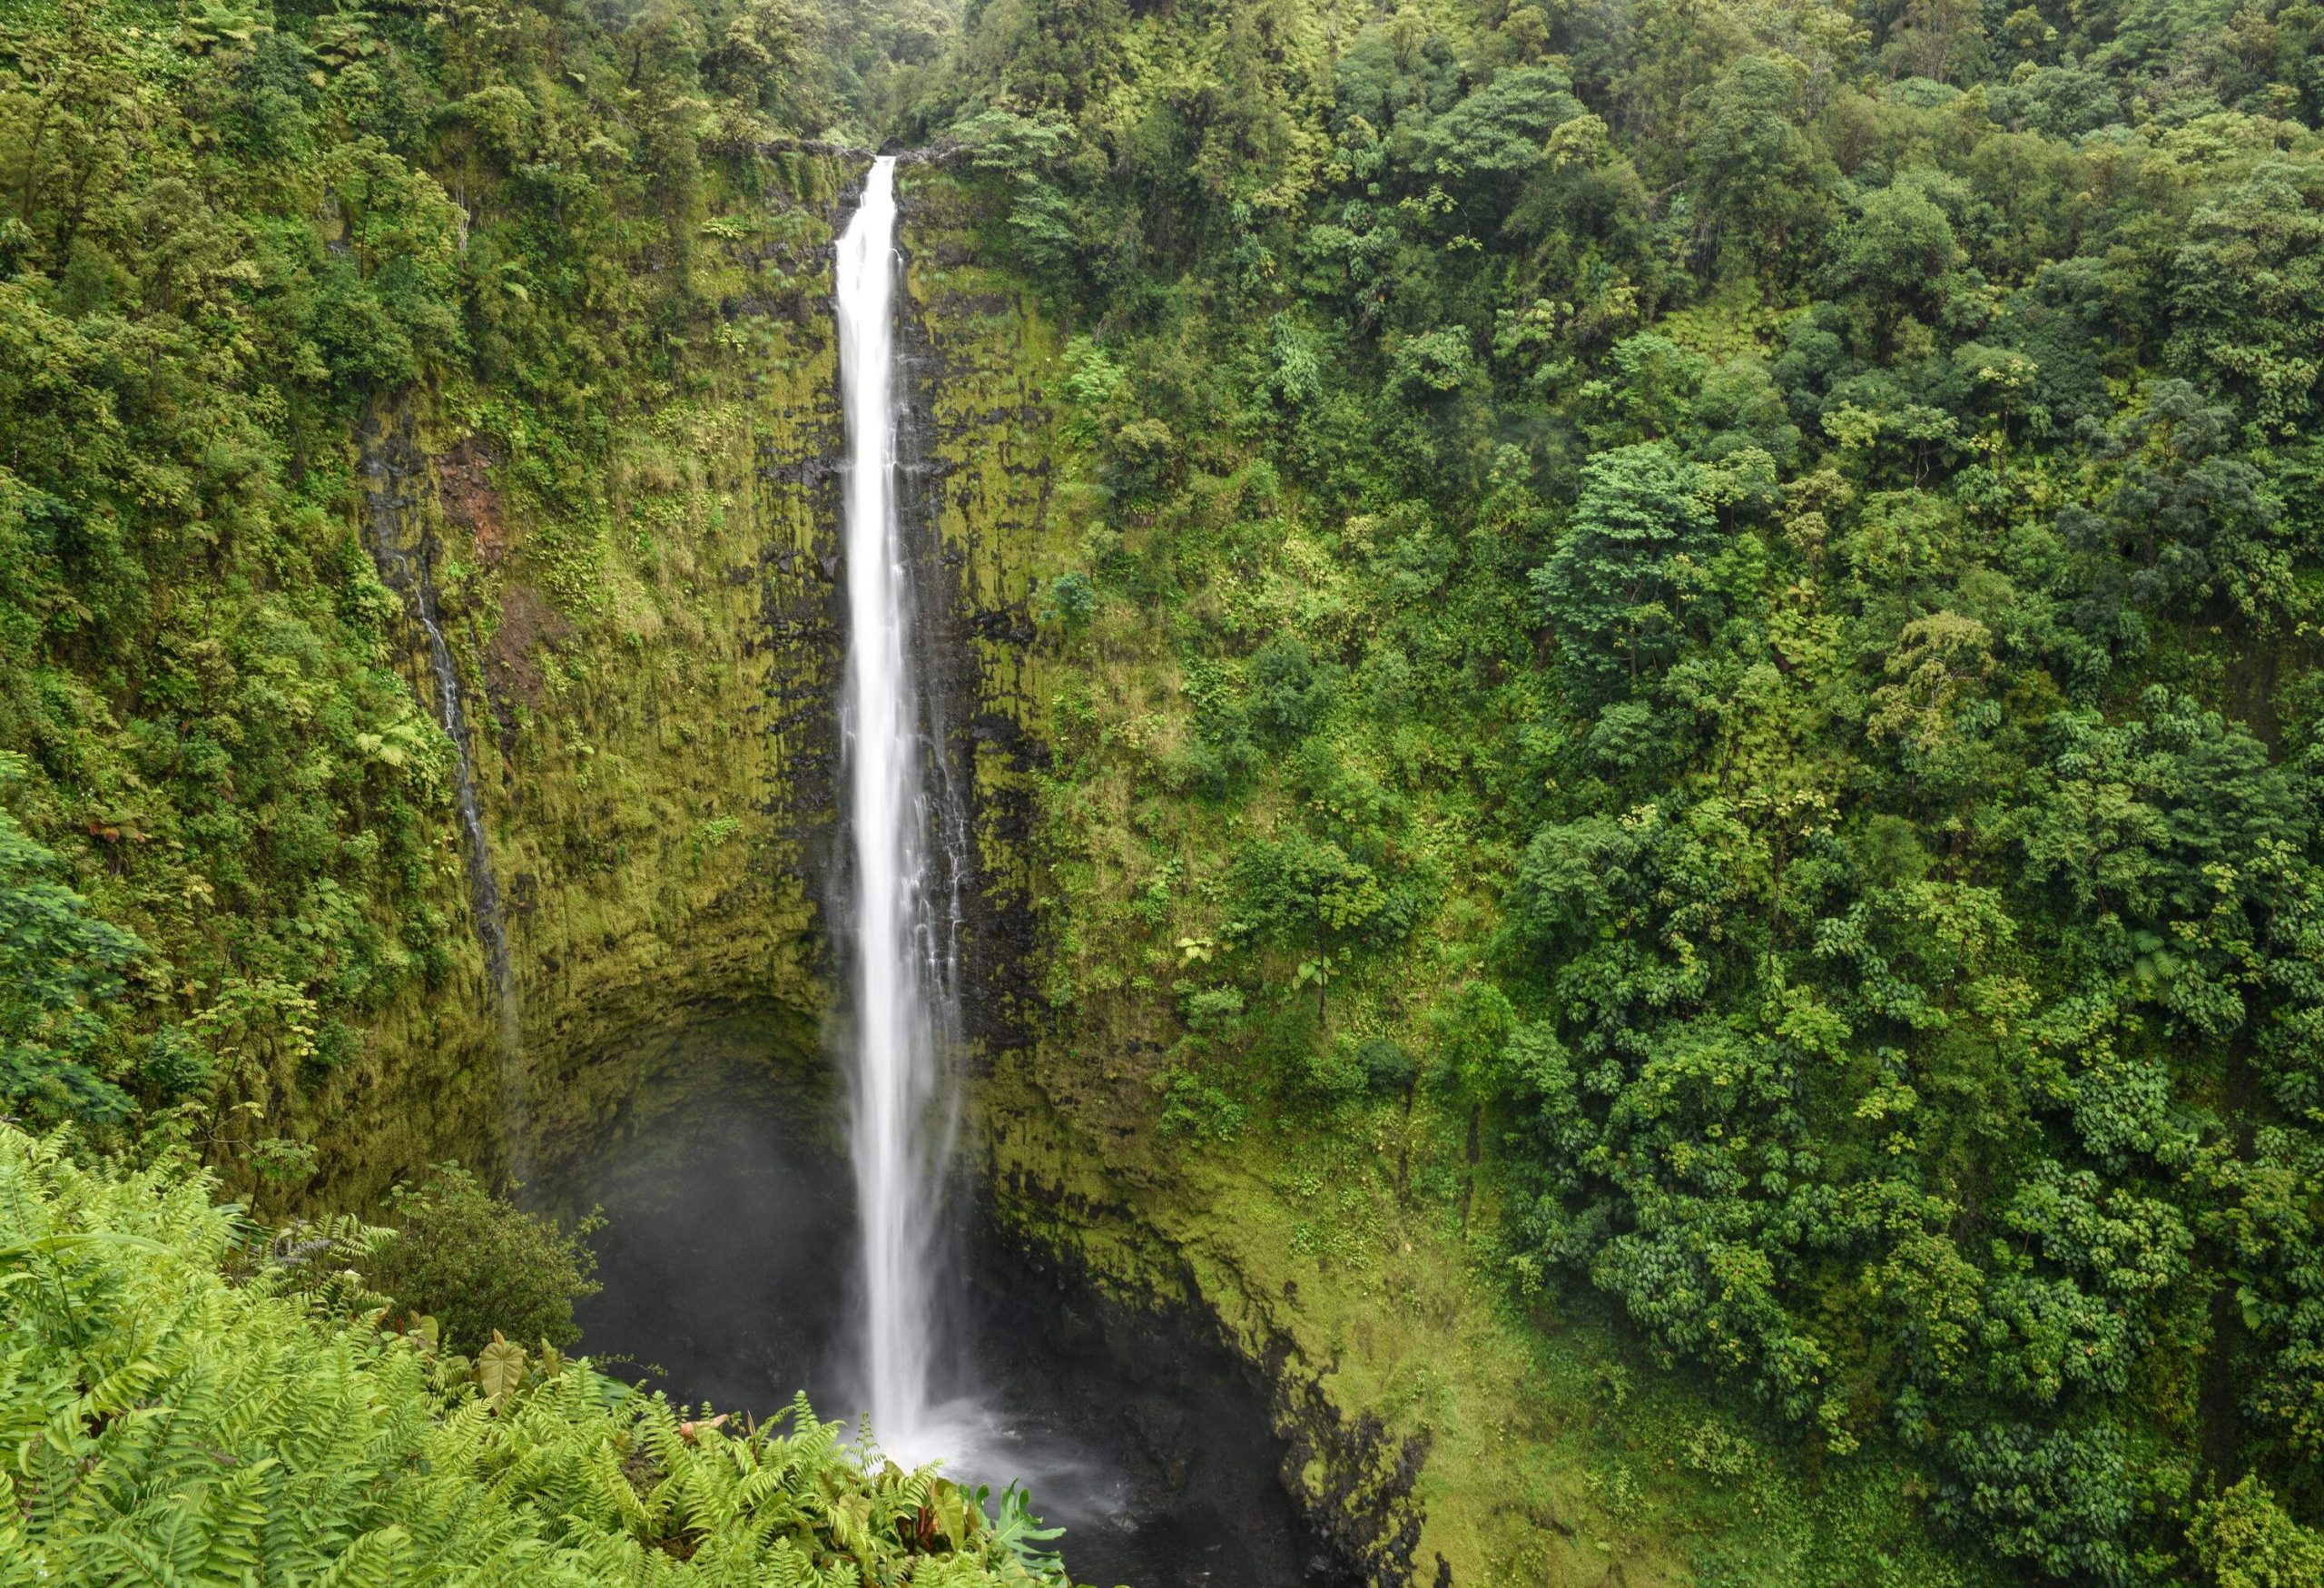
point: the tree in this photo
(1943, 40)
(61, 977)
(1891, 258)
(2190, 526)
(1495, 134)
(2247, 291)
(2243, 1539)
(1760, 191)
(1625, 577)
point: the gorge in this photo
(1411, 791)
(1132, 1427)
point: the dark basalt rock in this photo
(1364, 1519)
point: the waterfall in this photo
(387, 466)
(903, 911)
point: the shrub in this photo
(477, 1263)
(1070, 601)
(1388, 1070)
(2243, 1539)
(1289, 692)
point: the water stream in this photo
(902, 911)
(385, 462)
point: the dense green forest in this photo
(1696, 620)
(1739, 585)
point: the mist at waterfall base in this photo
(726, 1256)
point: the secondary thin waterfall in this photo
(387, 460)
(902, 948)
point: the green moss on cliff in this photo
(637, 614)
(541, 326)
(1548, 1449)
(1428, 1414)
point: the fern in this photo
(185, 1400)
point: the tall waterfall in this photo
(900, 909)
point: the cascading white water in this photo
(898, 1126)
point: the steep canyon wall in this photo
(657, 763)
(648, 676)
(653, 739)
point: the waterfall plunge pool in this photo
(728, 1260)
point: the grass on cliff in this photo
(1551, 1438)
(1556, 1450)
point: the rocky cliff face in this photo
(648, 681)
(980, 451)
(1057, 1144)
(647, 676)
(650, 707)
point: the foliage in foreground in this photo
(181, 1402)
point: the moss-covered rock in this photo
(647, 666)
